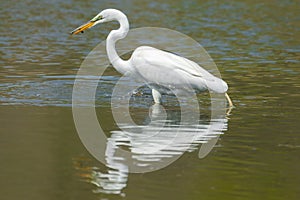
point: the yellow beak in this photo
(82, 28)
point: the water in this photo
(255, 44)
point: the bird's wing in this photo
(150, 56)
(160, 66)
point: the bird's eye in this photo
(97, 18)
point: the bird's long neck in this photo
(115, 35)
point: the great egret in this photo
(156, 67)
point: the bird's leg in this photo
(156, 96)
(230, 104)
(229, 100)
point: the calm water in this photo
(256, 47)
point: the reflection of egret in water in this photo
(161, 141)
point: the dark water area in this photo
(256, 46)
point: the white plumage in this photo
(159, 69)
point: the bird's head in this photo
(104, 16)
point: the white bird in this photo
(159, 69)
